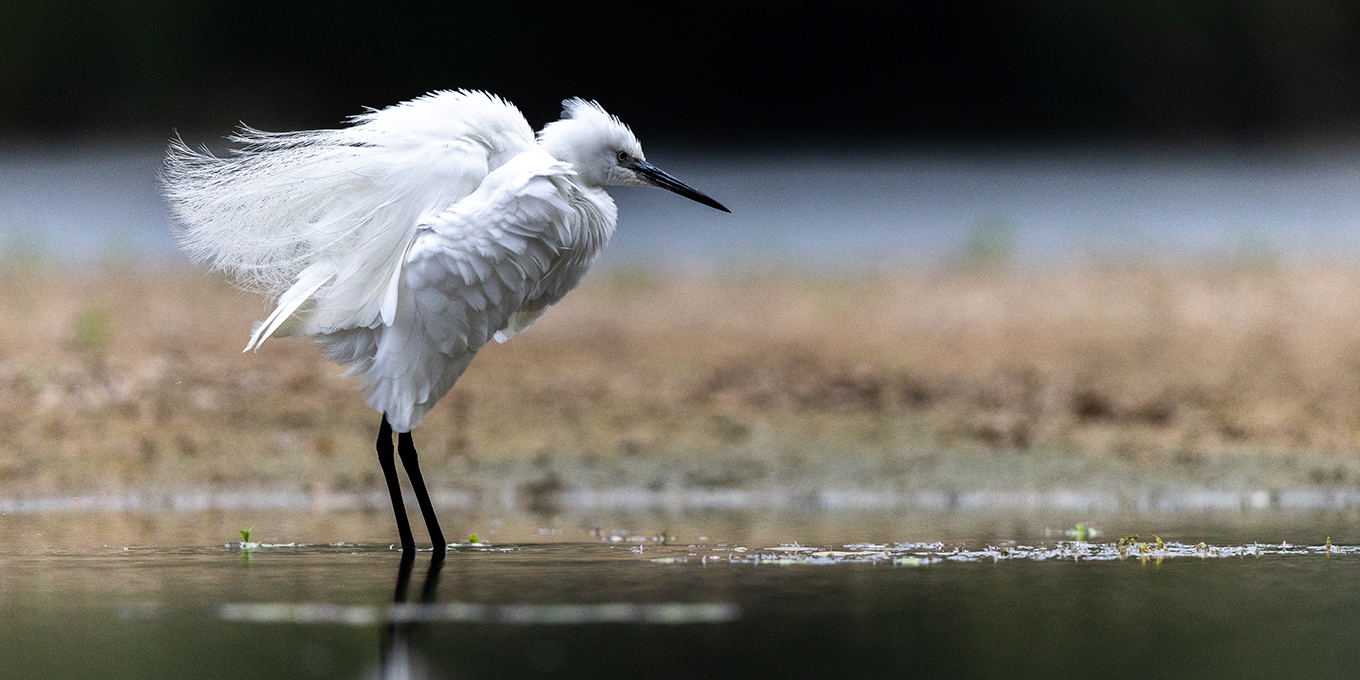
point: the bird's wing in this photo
(467, 272)
(347, 200)
(323, 219)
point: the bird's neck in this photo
(596, 217)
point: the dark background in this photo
(770, 73)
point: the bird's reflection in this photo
(397, 657)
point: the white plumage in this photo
(410, 238)
(407, 240)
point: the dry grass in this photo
(121, 379)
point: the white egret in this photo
(408, 239)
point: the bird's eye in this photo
(622, 156)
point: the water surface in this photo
(564, 600)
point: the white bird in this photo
(407, 240)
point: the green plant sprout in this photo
(246, 544)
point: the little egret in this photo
(408, 239)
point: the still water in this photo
(980, 596)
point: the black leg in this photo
(389, 468)
(406, 448)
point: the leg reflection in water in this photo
(397, 658)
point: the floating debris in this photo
(914, 554)
(793, 548)
(252, 545)
(922, 554)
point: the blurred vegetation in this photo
(93, 328)
(989, 243)
(999, 68)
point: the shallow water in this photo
(981, 595)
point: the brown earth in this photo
(121, 379)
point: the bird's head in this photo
(604, 152)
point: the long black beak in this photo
(660, 178)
